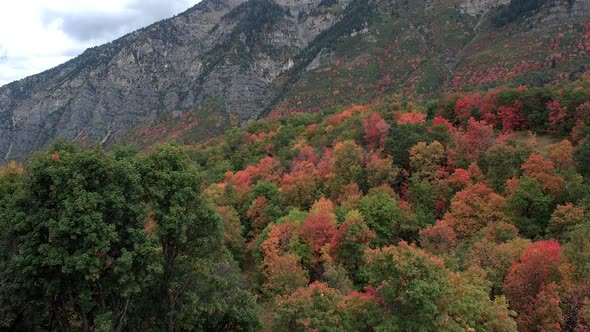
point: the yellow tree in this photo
(426, 159)
(474, 208)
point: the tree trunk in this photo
(168, 306)
(118, 318)
(85, 323)
(59, 314)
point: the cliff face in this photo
(226, 49)
(480, 7)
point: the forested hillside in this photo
(468, 212)
(306, 165)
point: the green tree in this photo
(531, 208)
(348, 162)
(350, 241)
(411, 284)
(582, 157)
(419, 294)
(382, 215)
(188, 229)
(502, 162)
(78, 229)
(402, 138)
(255, 215)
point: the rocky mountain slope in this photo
(224, 62)
(222, 51)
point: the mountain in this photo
(224, 62)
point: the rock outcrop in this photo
(480, 7)
(228, 49)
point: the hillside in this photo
(224, 62)
(469, 213)
(224, 52)
(306, 165)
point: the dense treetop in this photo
(464, 213)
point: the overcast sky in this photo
(36, 35)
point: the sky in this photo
(36, 35)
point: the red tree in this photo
(413, 117)
(320, 226)
(478, 137)
(542, 170)
(527, 283)
(511, 117)
(376, 130)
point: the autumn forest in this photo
(317, 165)
(469, 212)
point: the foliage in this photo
(530, 285)
(382, 215)
(77, 228)
(97, 235)
(306, 220)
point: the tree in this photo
(348, 161)
(582, 157)
(577, 251)
(561, 155)
(262, 207)
(78, 231)
(419, 294)
(495, 259)
(475, 141)
(511, 117)
(350, 197)
(310, 308)
(320, 226)
(350, 241)
(379, 170)
(188, 229)
(19, 305)
(543, 313)
(469, 306)
(376, 130)
(321, 308)
(527, 285)
(413, 118)
(530, 207)
(563, 219)
(438, 239)
(541, 170)
(460, 178)
(382, 215)
(421, 195)
(466, 108)
(474, 208)
(215, 297)
(583, 323)
(299, 187)
(426, 160)
(284, 274)
(281, 267)
(402, 138)
(534, 108)
(502, 162)
(411, 284)
(234, 241)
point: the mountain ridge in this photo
(229, 61)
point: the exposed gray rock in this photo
(480, 7)
(170, 66)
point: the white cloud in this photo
(36, 35)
